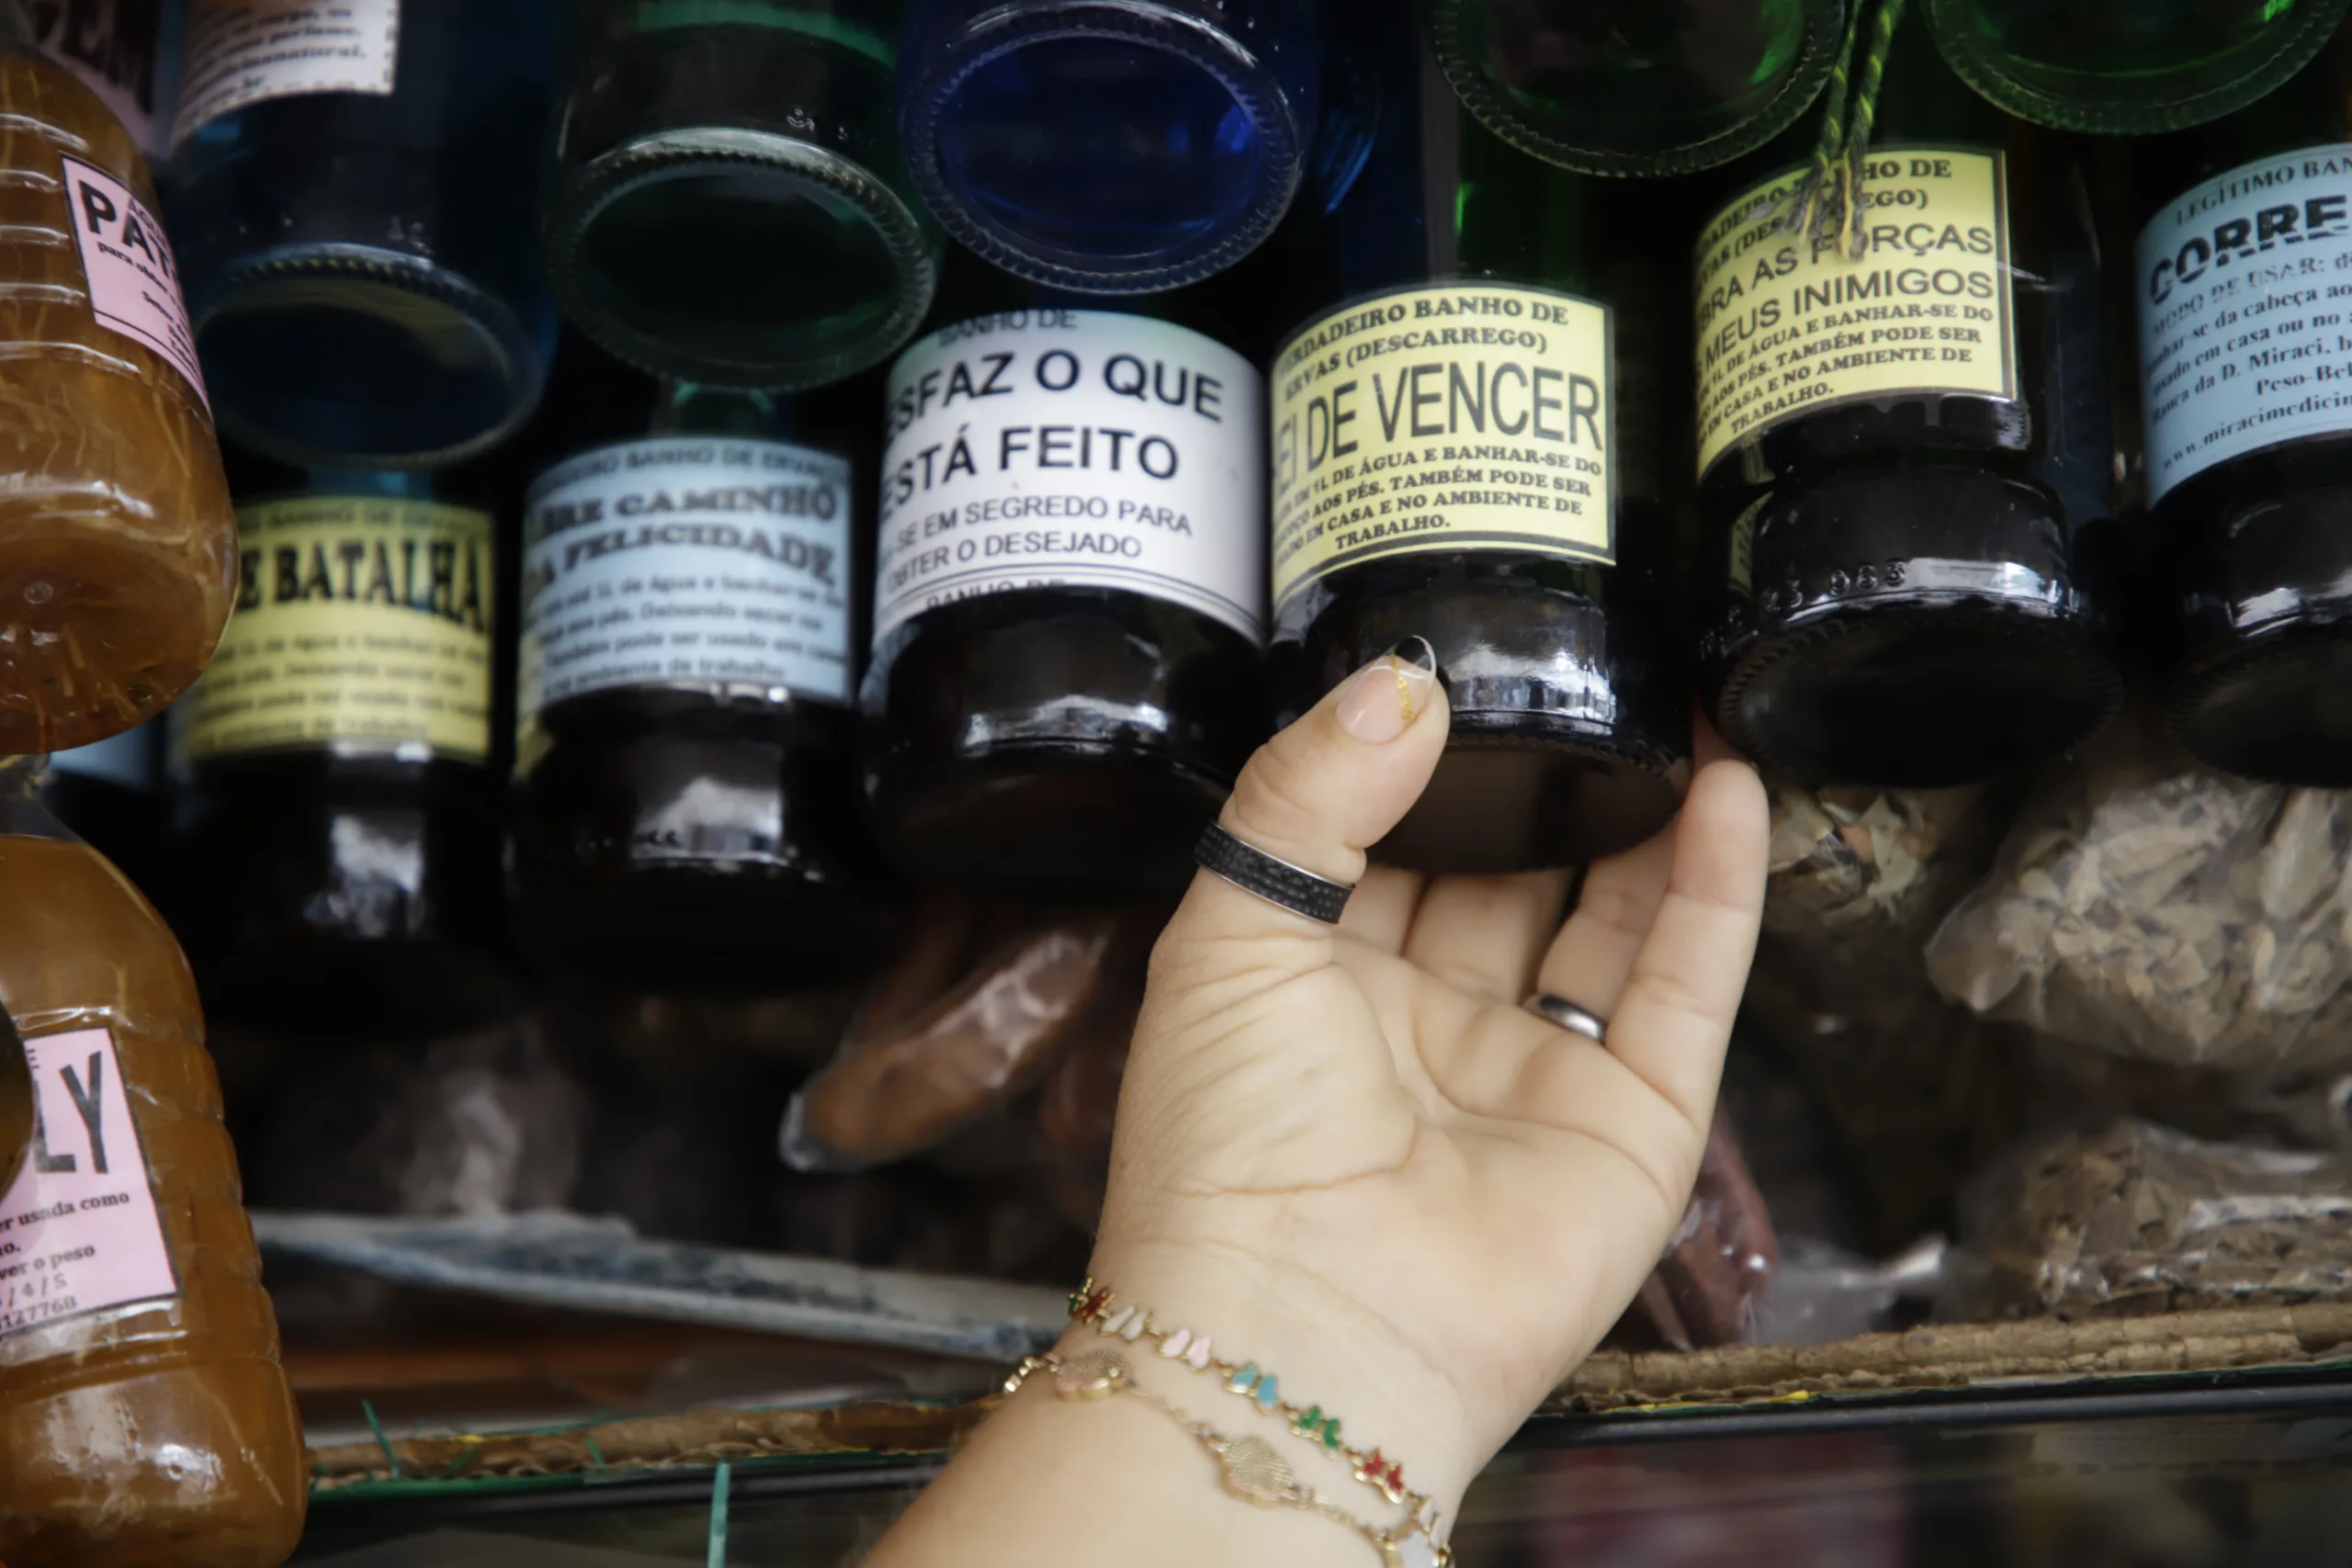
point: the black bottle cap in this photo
(2264, 686)
(1912, 626)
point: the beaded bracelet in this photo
(1097, 1307)
(1250, 1467)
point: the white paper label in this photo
(1052, 448)
(242, 52)
(2245, 284)
(687, 561)
(78, 1230)
(134, 282)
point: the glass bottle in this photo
(684, 814)
(1112, 146)
(351, 186)
(730, 205)
(1469, 447)
(2129, 67)
(118, 546)
(1637, 86)
(1906, 457)
(2244, 274)
(1069, 593)
(143, 1417)
(334, 836)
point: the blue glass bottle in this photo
(1114, 146)
(730, 207)
(357, 226)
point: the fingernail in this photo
(1384, 696)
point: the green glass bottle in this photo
(1906, 453)
(1471, 426)
(2129, 67)
(1638, 87)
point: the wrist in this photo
(1326, 1351)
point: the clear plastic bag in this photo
(1720, 1261)
(2130, 1219)
(2149, 908)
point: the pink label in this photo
(78, 1230)
(134, 283)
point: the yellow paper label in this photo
(1472, 416)
(1789, 324)
(362, 620)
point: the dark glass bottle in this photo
(2244, 277)
(2129, 67)
(1069, 593)
(730, 205)
(1470, 446)
(351, 189)
(334, 837)
(1906, 457)
(1636, 86)
(684, 814)
(1114, 146)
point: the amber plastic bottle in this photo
(334, 845)
(118, 547)
(143, 1416)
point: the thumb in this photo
(1317, 796)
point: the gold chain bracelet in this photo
(1098, 1307)
(1250, 1467)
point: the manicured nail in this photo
(1384, 696)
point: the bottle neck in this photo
(684, 408)
(22, 814)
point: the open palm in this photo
(1360, 1143)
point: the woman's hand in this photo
(1352, 1155)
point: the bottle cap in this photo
(1916, 626)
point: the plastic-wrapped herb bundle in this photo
(2133, 1218)
(2154, 908)
(118, 548)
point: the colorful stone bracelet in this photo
(1097, 1307)
(1250, 1466)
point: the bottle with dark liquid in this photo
(1109, 146)
(1905, 456)
(730, 205)
(143, 1416)
(117, 545)
(351, 186)
(1469, 447)
(684, 814)
(2129, 67)
(1636, 86)
(335, 832)
(1069, 593)
(2243, 270)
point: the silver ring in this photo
(1569, 1016)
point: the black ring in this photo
(1275, 881)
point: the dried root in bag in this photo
(2156, 910)
(1719, 1263)
(979, 1007)
(2130, 1218)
